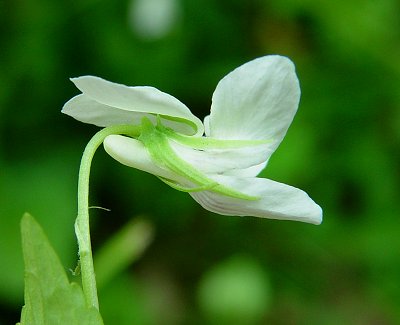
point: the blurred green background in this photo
(202, 268)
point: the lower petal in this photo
(277, 200)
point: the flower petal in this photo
(124, 99)
(86, 110)
(222, 161)
(247, 172)
(258, 100)
(278, 201)
(206, 123)
(132, 153)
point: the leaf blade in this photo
(49, 296)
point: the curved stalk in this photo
(82, 227)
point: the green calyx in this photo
(156, 139)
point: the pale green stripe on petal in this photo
(157, 143)
(182, 188)
(204, 143)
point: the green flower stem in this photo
(82, 228)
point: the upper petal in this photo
(122, 99)
(87, 110)
(258, 100)
(277, 200)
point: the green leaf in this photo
(49, 296)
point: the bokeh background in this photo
(202, 268)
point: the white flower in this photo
(252, 108)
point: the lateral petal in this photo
(258, 100)
(132, 153)
(222, 161)
(277, 200)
